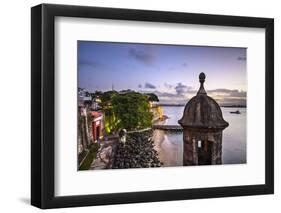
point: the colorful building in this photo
(97, 126)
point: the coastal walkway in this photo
(105, 155)
(167, 127)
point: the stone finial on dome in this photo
(202, 111)
(201, 90)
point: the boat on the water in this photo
(236, 112)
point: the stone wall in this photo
(209, 139)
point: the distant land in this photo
(234, 106)
(179, 105)
(163, 104)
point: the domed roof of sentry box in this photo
(202, 111)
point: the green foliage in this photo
(108, 95)
(127, 109)
(104, 96)
(152, 97)
(96, 94)
(90, 157)
(109, 120)
(131, 110)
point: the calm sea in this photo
(170, 144)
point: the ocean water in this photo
(170, 144)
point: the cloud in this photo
(168, 86)
(184, 64)
(149, 86)
(236, 93)
(89, 63)
(241, 58)
(139, 86)
(165, 94)
(181, 89)
(232, 101)
(145, 57)
(219, 90)
(228, 92)
(228, 96)
(181, 94)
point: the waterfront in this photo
(137, 121)
(169, 145)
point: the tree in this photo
(152, 97)
(106, 98)
(131, 111)
(96, 94)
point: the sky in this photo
(170, 71)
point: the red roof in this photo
(96, 114)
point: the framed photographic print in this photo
(139, 106)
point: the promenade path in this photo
(105, 154)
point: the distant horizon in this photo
(176, 104)
(169, 71)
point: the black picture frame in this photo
(43, 102)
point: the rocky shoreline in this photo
(137, 152)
